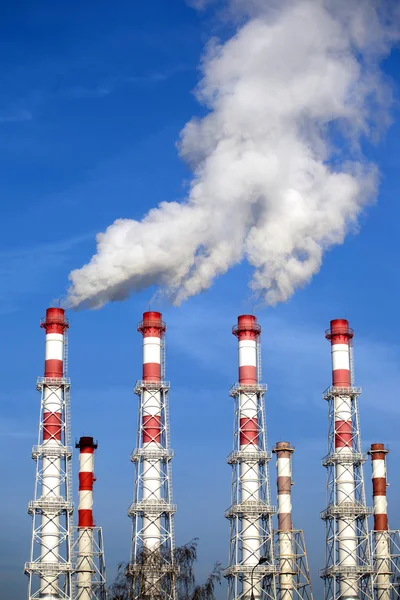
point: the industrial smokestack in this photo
(152, 556)
(294, 576)
(251, 556)
(348, 561)
(84, 567)
(284, 452)
(50, 567)
(268, 183)
(382, 558)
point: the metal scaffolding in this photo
(256, 574)
(346, 516)
(92, 562)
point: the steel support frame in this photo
(93, 562)
(264, 577)
(153, 574)
(57, 572)
(354, 511)
(390, 567)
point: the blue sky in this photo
(91, 105)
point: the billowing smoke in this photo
(278, 173)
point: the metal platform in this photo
(50, 451)
(151, 386)
(346, 510)
(346, 571)
(341, 458)
(48, 569)
(50, 506)
(258, 570)
(333, 391)
(250, 508)
(248, 456)
(151, 454)
(151, 507)
(52, 382)
(243, 388)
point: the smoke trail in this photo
(278, 174)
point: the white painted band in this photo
(151, 350)
(284, 467)
(380, 505)
(378, 468)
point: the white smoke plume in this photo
(278, 173)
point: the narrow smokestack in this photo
(50, 566)
(84, 568)
(283, 451)
(381, 536)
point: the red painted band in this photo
(381, 523)
(55, 321)
(53, 368)
(248, 374)
(284, 484)
(284, 522)
(52, 426)
(86, 450)
(341, 378)
(86, 479)
(378, 455)
(248, 431)
(343, 434)
(152, 324)
(85, 518)
(151, 428)
(379, 486)
(152, 371)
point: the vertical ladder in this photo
(259, 362)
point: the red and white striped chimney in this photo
(382, 542)
(340, 336)
(84, 568)
(248, 332)
(152, 328)
(284, 451)
(54, 325)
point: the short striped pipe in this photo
(382, 542)
(248, 332)
(54, 325)
(153, 329)
(340, 336)
(84, 567)
(283, 451)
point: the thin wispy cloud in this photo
(15, 116)
(112, 85)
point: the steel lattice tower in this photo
(50, 568)
(252, 570)
(152, 570)
(348, 568)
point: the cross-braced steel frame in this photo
(247, 576)
(296, 565)
(50, 567)
(386, 575)
(93, 562)
(348, 517)
(153, 572)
